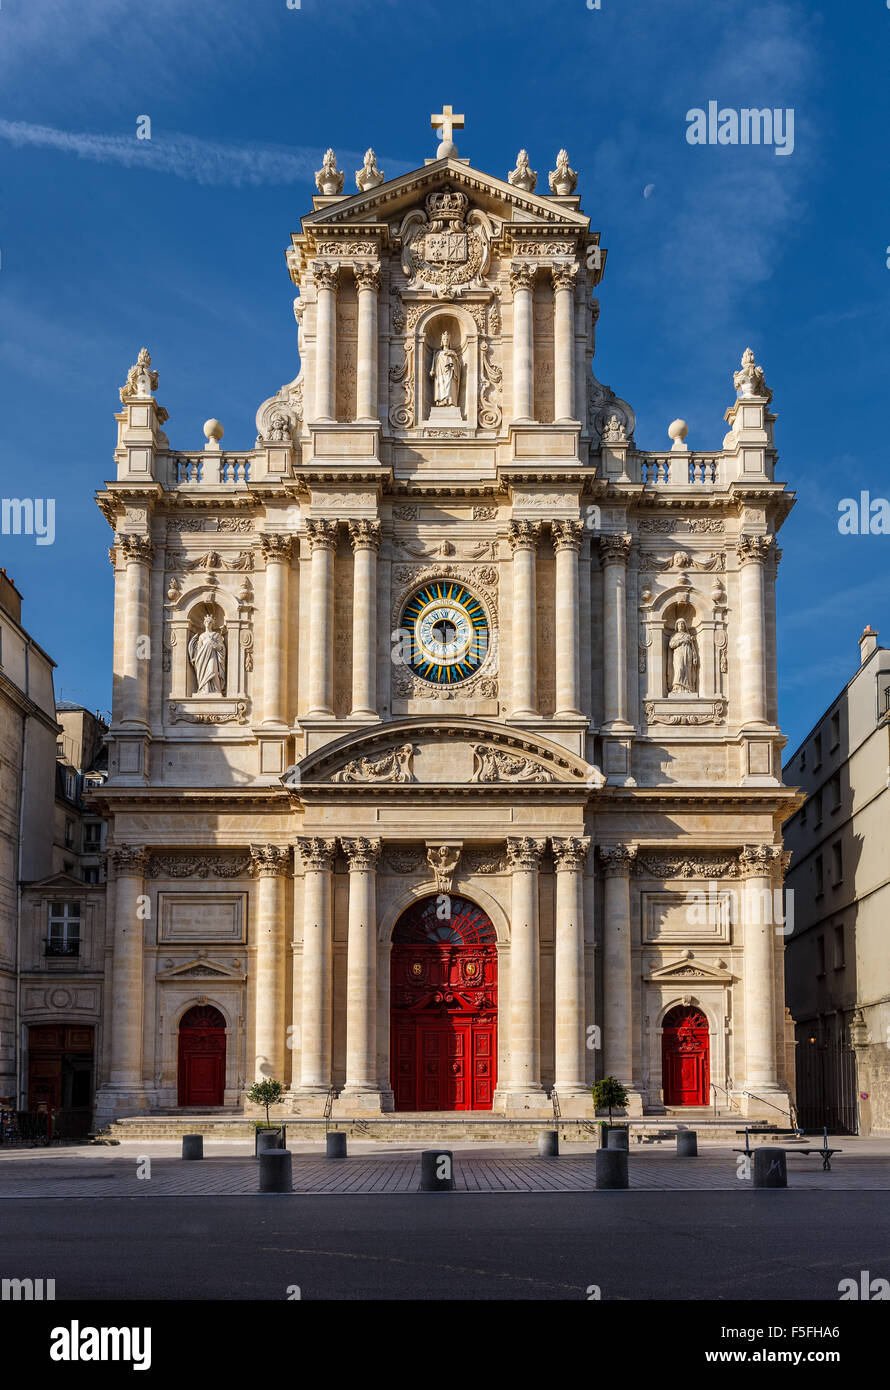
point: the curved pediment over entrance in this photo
(427, 752)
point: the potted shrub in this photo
(608, 1093)
(266, 1093)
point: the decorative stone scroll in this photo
(494, 765)
(394, 766)
(701, 712)
(485, 861)
(234, 713)
(667, 525)
(197, 865)
(443, 860)
(403, 861)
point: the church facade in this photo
(444, 768)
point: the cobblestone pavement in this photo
(229, 1170)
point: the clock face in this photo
(449, 632)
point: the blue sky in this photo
(109, 243)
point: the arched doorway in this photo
(444, 1003)
(685, 1057)
(202, 1056)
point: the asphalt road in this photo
(506, 1246)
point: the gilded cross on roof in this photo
(448, 123)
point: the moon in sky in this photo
(648, 190)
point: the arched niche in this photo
(185, 618)
(704, 620)
(464, 335)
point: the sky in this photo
(108, 242)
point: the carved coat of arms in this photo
(446, 249)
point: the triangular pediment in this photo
(62, 880)
(690, 969)
(201, 969)
(388, 201)
(429, 751)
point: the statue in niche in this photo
(207, 653)
(685, 660)
(445, 372)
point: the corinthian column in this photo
(367, 279)
(524, 855)
(323, 543)
(571, 1054)
(523, 537)
(757, 866)
(522, 283)
(134, 661)
(752, 553)
(564, 277)
(364, 537)
(270, 865)
(617, 994)
(614, 551)
(316, 1001)
(124, 1084)
(277, 550)
(567, 537)
(362, 1084)
(326, 277)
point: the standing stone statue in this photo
(685, 659)
(207, 653)
(445, 372)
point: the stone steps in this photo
(432, 1127)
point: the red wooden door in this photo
(685, 1058)
(202, 1057)
(443, 979)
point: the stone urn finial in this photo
(369, 176)
(677, 431)
(213, 433)
(563, 179)
(522, 176)
(328, 179)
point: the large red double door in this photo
(685, 1057)
(443, 981)
(202, 1056)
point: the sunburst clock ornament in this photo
(449, 632)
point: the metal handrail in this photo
(555, 1098)
(328, 1107)
(755, 1096)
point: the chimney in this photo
(868, 643)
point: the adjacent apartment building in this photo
(837, 959)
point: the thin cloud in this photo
(207, 162)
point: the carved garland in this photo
(197, 866)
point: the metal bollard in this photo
(687, 1144)
(193, 1146)
(770, 1167)
(436, 1170)
(617, 1139)
(335, 1144)
(548, 1143)
(267, 1139)
(611, 1168)
(275, 1171)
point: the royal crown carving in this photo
(446, 249)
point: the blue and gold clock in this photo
(449, 632)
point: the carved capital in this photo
(317, 854)
(367, 276)
(443, 860)
(276, 546)
(761, 861)
(524, 535)
(327, 276)
(361, 852)
(522, 276)
(615, 550)
(140, 549)
(523, 852)
(564, 276)
(269, 861)
(322, 534)
(754, 549)
(571, 852)
(617, 860)
(364, 535)
(130, 861)
(567, 535)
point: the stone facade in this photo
(837, 963)
(445, 629)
